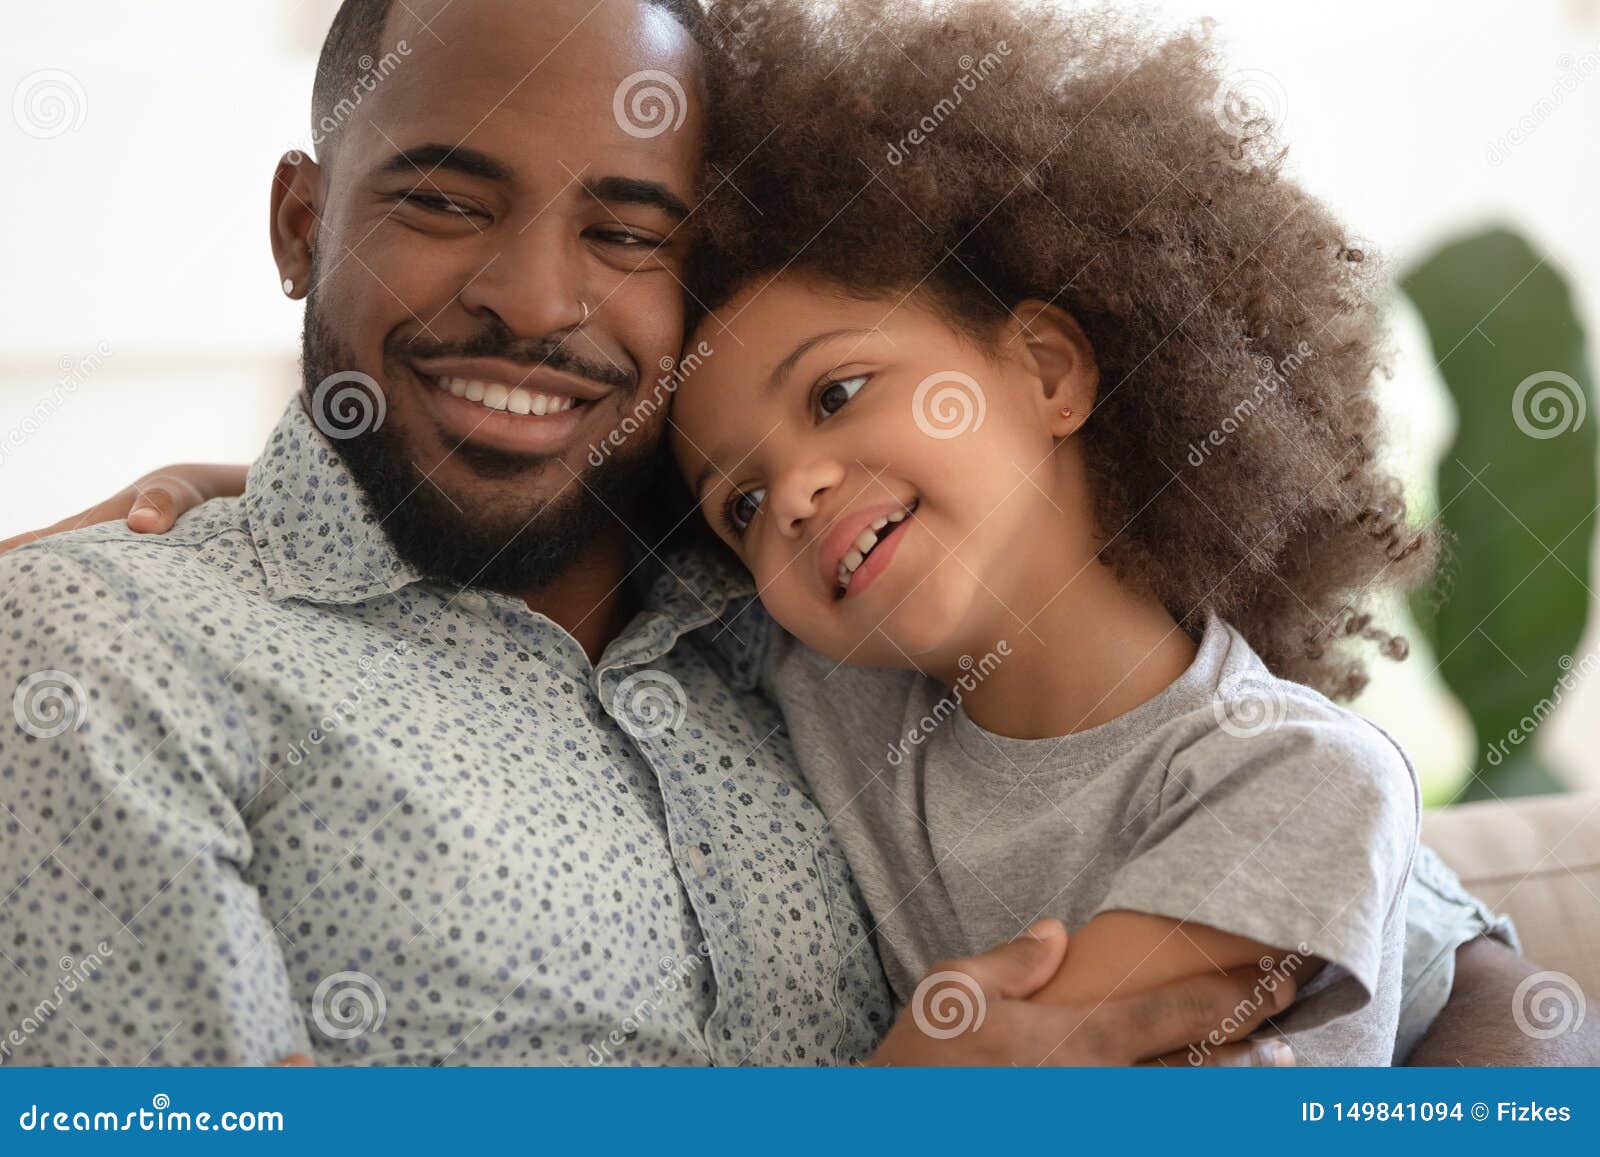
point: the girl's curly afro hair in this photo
(987, 153)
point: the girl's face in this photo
(899, 494)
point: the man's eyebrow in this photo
(783, 368)
(423, 159)
(633, 191)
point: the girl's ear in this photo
(1052, 347)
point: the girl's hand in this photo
(152, 504)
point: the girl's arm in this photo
(1120, 952)
(153, 503)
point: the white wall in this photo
(144, 227)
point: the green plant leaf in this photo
(1516, 491)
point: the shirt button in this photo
(697, 862)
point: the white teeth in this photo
(508, 399)
(880, 524)
(852, 559)
(866, 540)
(898, 516)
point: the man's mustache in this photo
(532, 354)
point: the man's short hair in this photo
(355, 43)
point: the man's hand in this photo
(976, 1012)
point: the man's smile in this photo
(506, 405)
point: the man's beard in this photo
(520, 549)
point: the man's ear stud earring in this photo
(288, 286)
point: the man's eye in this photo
(626, 239)
(435, 203)
(742, 507)
(835, 394)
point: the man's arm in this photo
(127, 931)
(976, 1011)
(1477, 1025)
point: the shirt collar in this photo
(315, 533)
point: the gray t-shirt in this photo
(1233, 799)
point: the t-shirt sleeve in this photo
(1299, 836)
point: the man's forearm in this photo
(1477, 1025)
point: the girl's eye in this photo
(835, 394)
(742, 507)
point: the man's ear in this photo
(1054, 349)
(296, 215)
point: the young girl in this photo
(1033, 379)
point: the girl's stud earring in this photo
(288, 286)
(1066, 411)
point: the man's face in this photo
(499, 248)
